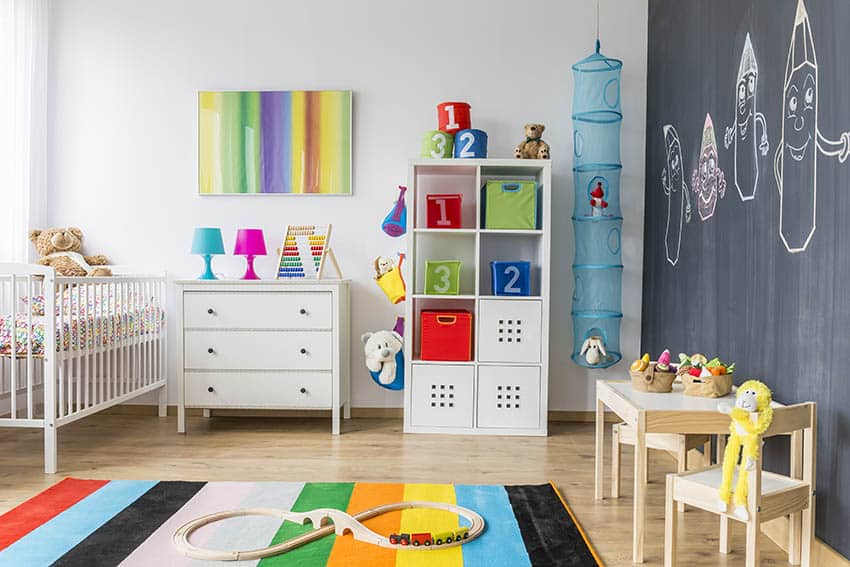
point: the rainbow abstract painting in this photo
(274, 142)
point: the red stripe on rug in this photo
(21, 520)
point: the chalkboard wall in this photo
(756, 276)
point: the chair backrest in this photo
(791, 419)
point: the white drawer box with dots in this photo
(443, 395)
(509, 396)
(509, 331)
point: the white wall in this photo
(123, 142)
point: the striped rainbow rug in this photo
(129, 522)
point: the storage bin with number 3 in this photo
(446, 335)
(453, 116)
(511, 278)
(444, 210)
(437, 145)
(442, 277)
(510, 205)
(471, 144)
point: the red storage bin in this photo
(453, 116)
(444, 210)
(446, 334)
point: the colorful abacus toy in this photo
(304, 250)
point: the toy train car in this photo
(427, 538)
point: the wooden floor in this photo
(141, 447)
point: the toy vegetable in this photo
(751, 416)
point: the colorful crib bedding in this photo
(89, 320)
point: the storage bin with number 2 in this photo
(511, 278)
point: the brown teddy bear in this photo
(533, 147)
(60, 248)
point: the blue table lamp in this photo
(207, 242)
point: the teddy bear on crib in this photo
(751, 416)
(533, 147)
(60, 248)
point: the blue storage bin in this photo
(511, 278)
(470, 143)
(598, 241)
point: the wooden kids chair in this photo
(769, 495)
(678, 445)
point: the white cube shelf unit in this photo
(504, 389)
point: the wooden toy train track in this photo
(330, 521)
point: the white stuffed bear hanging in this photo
(380, 348)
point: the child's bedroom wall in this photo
(123, 127)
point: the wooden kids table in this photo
(673, 412)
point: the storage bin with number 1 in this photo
(509, 205)
(446, 335)
(442, 277)
(444, 210)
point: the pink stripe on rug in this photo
(214, 497)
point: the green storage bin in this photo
(510, 205)
(442, 277)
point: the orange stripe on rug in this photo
(346, 550)
(43, 507)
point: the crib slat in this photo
(60, 358)
(14, 347)
(30, 298)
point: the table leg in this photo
(725, 543)
(600, 440)
(640, 490)
(795, 520)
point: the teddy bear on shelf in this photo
(533, 147)
(60, 248)
(380, 349)
(597, 202)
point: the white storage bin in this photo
(509, 397)
(509, 331)
(442, 395)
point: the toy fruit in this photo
(640, 364)
(664, 361)
(698, 359)
(717, 370)
(704, 372)
(695, 371)
(635, 366)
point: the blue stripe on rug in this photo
(502, 532)
(52, 540)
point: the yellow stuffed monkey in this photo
(753, 397)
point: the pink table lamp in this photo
(250, 243)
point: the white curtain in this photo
(23, 124)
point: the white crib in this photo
(95, 343)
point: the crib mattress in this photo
(84, 333)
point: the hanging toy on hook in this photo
(385, 357)
(395, 223)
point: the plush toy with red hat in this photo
(597, 202)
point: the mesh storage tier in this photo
(597, 219)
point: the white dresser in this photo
(264, 344)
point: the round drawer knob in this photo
(210, 389)
(303, 311)
(303, 390)
(210, 310)
(211, 350)
(303, 351)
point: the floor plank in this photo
(226, 448)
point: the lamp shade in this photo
(250, 242)
(207, 241)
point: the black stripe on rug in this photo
(551, 537)
(112, 542)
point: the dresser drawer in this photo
(308, 390)
(257, 310)
(258, 350)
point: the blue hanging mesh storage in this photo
(597, 217)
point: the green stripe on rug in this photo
(314, 495)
